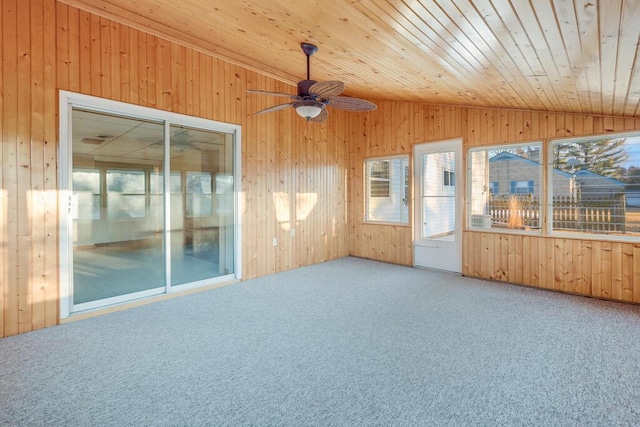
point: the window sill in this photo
(386, 223)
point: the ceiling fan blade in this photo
(327, 89)
(351, 104)
(321, 117)
(263, 92)
(274, 108)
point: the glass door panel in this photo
(438, 196)
(117, 236)
(202, 213)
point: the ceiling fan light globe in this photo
(308, 111)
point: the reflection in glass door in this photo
(151, 206)
(117, 235)
(202, 219)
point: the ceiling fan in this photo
(313, 97)
(180, 140)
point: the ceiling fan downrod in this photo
(308, 49)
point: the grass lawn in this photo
(632, 218)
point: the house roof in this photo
(503, 156)
(562, 56)
(588, 174)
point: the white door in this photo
(438, 201)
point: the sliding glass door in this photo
(117, 236)
(151, 203)
(202, 213)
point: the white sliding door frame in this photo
(70, 100)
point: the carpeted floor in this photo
(347, 342)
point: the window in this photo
(199, 194)
(494, 187)
(126, 193)
(504, 187)
(521, 187)
(156, 191)
(387, 189)
(86, 190)
(595, 185)
(448, 178)
(379, 178)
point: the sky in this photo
(632, 147)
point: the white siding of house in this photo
(438, 199)
(393, 208)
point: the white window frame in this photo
(446, 176)
(393, 197)
(470, 222)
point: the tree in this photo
(603, 156)
(632, 178)
(520, 151)
(560, 156)
(531, 153)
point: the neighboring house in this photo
(388, 180)
(632, 199)
(593, 185)
(439, 191)
(513, 174)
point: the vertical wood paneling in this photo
(114, 59)
(105, 58)
(587, 278)
(64, 49)
(50, 208)
(24, 167)
(84, 59)
(542, 263)
(585, 267)
(94, 66)
(576, 272)
(47, 46)
(627, 272)
(71, 78)
(133, 71)
(151, 70)
(37, 200)
(534, 255)
(4, 183)
(10, 163)
(141, 75)
(616, 271)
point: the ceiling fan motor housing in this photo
(303, 87)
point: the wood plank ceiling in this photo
(550, 55)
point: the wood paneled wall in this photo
(294, 173)
(609, 270)
(601, 269)
(391, 129)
